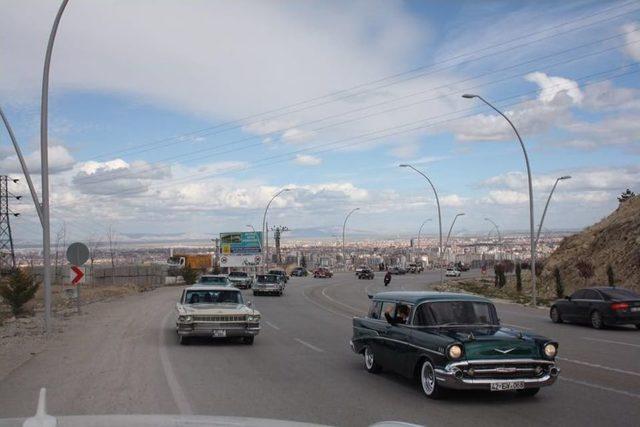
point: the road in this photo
(123, 357)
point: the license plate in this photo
(219, 333)
(518, 385)
(635, 308)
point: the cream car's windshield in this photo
(212, 297)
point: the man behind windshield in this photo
(213, 297)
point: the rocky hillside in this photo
(613, 241)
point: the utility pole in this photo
(277, 232)
(7, 255)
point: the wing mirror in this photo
(249, 303)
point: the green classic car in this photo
(451, 341)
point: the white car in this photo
(268, 284)
(452, 272)
(217, 312)
(213, 280)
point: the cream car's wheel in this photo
(370, 363)
(183, 340)
(428, 381)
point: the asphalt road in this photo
(123, 357)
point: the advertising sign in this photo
(240, 260)
(240, 243)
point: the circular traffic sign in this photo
(77, 253)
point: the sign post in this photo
(77, 255)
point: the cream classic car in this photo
(217, 312)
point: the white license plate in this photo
(218, 333)
(635, 308)
(518, 385)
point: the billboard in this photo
(240, 243)
(240, 260)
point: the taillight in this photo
(619, 306)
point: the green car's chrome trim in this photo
(398, 341)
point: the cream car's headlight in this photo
(550, 350)
(253, 318)
(185, 319)
(455, 351)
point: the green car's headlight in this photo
(455, 351)
(550, 350)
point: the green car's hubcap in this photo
(427, 378)
(368, 358)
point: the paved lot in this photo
(123, 357)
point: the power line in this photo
(349, 94)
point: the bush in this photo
(189, 275)
(518, 277)
(585, 270)
(610, 276)
(507, 266)
(559, 284)
(500, 278)
(18, 290)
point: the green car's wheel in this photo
(528, 392)
(596, 320)
(370, 363)
(428, 381)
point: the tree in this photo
(610, 276)
(189, 275)
(112, 240)
(585, 270)
(626, 195)
(518, 277)
(500, 278)
(508, 266)
(559, 284)
(18, 290)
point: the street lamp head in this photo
(404, 165)
(565, 177)
(462, 213)
(469, 95)
(487, 219)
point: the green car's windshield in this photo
(212, 297)
(453, 313)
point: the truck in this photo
(202, 262)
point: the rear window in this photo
(374, 310)
(619, 294)
(238, 274)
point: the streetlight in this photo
(531, 221)
(265, 245)
(439, 214)
(499, 236)
(344, 224)
(451, 228)
(420, 230)
(544, 213)
(255, 234)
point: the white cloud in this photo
(506, 197)
(452, 200)
(606, 96)
(59, 160)
(307, 160)
(115, 176)
(633, 40)
(296, 135)
(552, 86)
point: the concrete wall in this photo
(140, 275)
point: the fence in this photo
(139, 275)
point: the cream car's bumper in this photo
(207, 329)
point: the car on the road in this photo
(451, 341)
(599, 307)
(240, 279)
(360, 268)
(453, 272)
(322, 273)
(300, 272)
(217, 312)
(280, 273)
(397, 270)
(268, 284)
(214, 279)
(366, 273)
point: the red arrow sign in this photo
(79, 274)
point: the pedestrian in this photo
(387, 278)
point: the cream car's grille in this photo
(220, 318)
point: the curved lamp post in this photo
(499, 236)
(531, 221)
(439, 214)
(544, 212)
(420, 230)
(344, 225)
(451, 228)
(265, 244)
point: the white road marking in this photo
(179, 397)
(593, 365)
(304, 294)
(338, 302)
(272, 325)
(311, 346)
(611, 342)
(600, 387)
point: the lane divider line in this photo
(304, 294)
(600, 387)
(179, 397)
(611, 342)
(357, 310)
(311, 346)
(594, 365)
(272, 325)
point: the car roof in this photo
(213, 275)
(211, 288)
(418, 297)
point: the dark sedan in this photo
(366, 273)
(599, 307)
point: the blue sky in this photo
(185, 117)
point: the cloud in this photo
(60, 160)
(506, 197)
(115, 176)
(296, 135)
(605, 96)
(633, 40)
(307, 160)
(552, 86)
(452, 200)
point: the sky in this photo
(183, 119)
